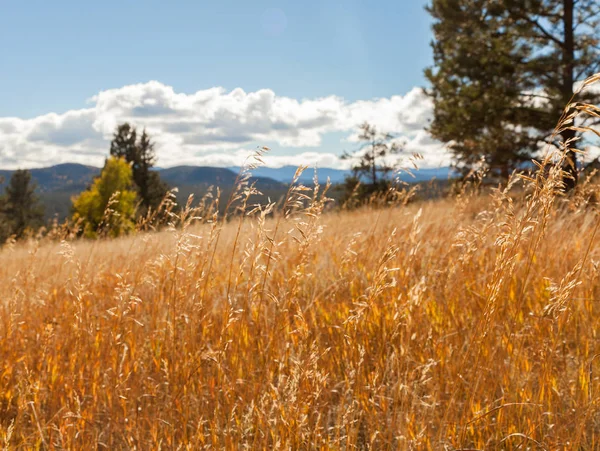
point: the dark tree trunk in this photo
(505, 171)
(374, 167)
(568, 56)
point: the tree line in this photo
(126, 189)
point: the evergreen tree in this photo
(21, 209)
(140, 154)
(110, 202)
(151, 188)
(124, 143)
(503, 72)
(374, 162)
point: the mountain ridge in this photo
(57, 184)
(285, 174)
(75, 175)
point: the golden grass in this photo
(467, 323)
(432, 326)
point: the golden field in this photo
(464, 323)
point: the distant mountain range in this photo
(68, 176)
(286, 173)
(205, 176)
(57, 184)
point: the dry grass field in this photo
(468, 323)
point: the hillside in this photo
(61, 177)
(58, 184)
(205, 176)
(401, 328)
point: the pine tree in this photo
(21, 209)
(140, 154)
(124, 143)
(151, 188)
(503, 72)
(373, 162)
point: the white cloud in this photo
(215, 127)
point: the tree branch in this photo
(585, 20)
(545, 32)
(539, 96)
(592, 69)
(541, 28)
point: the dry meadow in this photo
(465, 323)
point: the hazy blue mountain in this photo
(425, 174)
(286, 173)
(76, 177)
(58, 184)
(67, 176)
(206, 176)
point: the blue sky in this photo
(56, 56)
